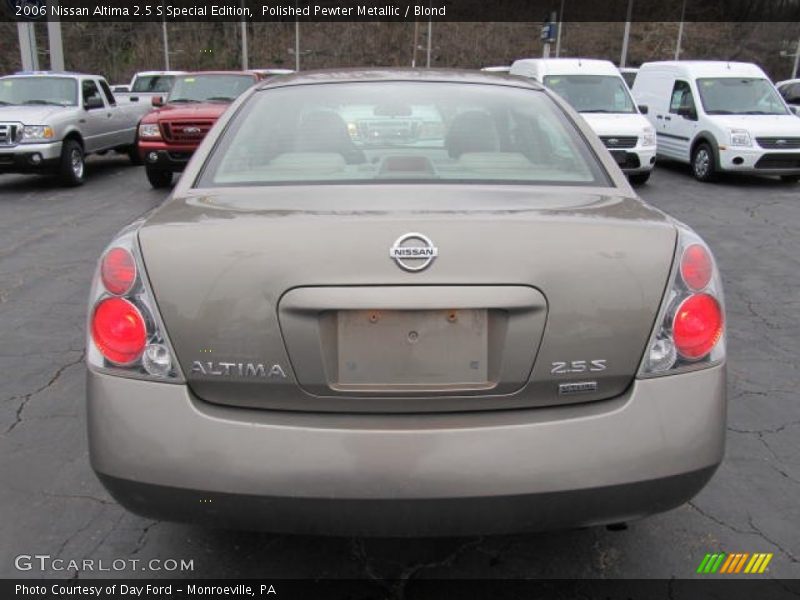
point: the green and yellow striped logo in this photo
(738, 562)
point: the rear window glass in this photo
(401, 131)
(153, 83)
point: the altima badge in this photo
(413, 252)
(226, 369)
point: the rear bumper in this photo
(165, 454)
(30, 158)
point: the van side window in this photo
(681, 97)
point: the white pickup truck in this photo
(50, 121)
(147, 85)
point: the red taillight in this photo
(697, 326)
(119, 330)
(697, 267)
(118, 271)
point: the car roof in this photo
(153, 73)
(563, 66)
(708, 68)
(251, 73)
(49, 74)
(399, 74)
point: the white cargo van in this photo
(596, 89)
(720, 116)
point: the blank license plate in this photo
(415, 347)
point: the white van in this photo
(720, 116)
(596, 89)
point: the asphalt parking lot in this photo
(51, 502)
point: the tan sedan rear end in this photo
(405, 303)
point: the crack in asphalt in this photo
(754, 530)
(140, 542)
(78, 497)
(26, 397)
(102, 541)
(773, 430)
(397, 587)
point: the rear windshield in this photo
(210, 88)
(402, 131)
(153, 83)
(740, 96)
(58, 91)
(593, 93)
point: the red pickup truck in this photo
(169, 135)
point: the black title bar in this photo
(398, 10)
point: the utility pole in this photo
(165, 36)
(796, 59)
(623, 60)
(560, 27)
(27, 46)
(430, 34)
(680, 32)
(297, 45)
(245, 57)
(54, 40)
(416, 42)
(547, 35)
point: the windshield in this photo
(593, 93)
(59, 91)
(153, 83)
(740, 96)
(204, 88)
(400, 131)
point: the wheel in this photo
(639, 178)
(159, 178)
(72, 169)
(790, 178)
(704, 165)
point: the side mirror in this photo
(687, 112)
(644, 109)
(795, 109)
(93, 102)
(158, 100)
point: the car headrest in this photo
(472, 131)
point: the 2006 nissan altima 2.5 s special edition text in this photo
(405, 303)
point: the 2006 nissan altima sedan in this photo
(405, 303)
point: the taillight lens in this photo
(690, 329)
(118, 271)
(697, 267)
(119, 331)
(125, 335)
(697, 326)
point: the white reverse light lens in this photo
(662, 356)
(156, 360)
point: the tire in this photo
(639, 178)
(704, 165)
(790, 178)
(72, 168)
(133, 155)
(159, 178)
